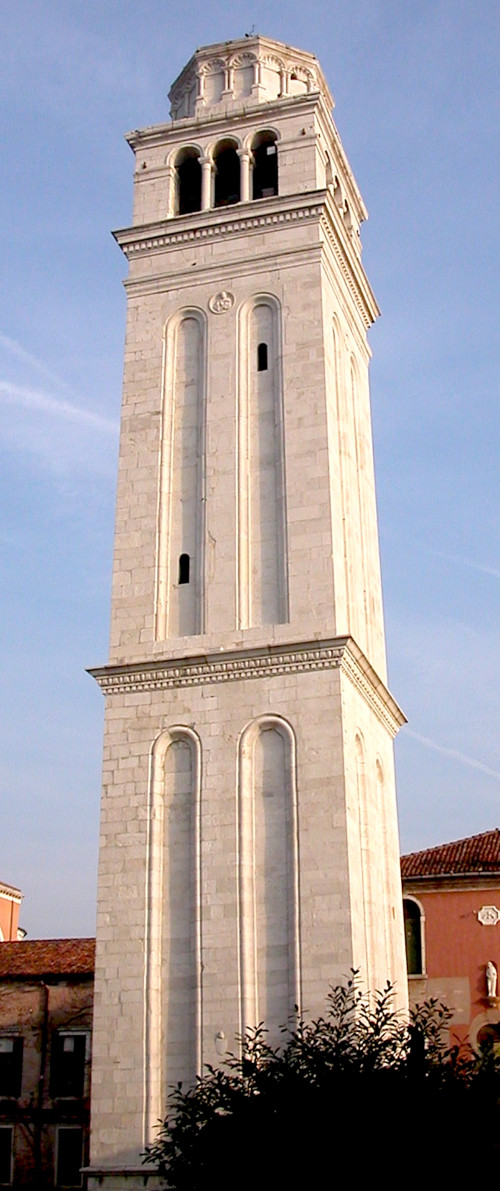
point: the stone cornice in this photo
(452, 882)
(244, 219)
(219, 121)
(332, 137)
(10, 892)
(268, 661)
(354, 275)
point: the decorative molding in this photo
(274, 60)
(140, 240)
(175, 132)
(349, 263)
(11, 894)
(222, 302)
(488, 915)
(214, 66)
(266, 662)
(235, 270)
(242, 59)
(225, 57)
(211, 225)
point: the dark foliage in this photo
(356, 1093)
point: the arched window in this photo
(184, 568)
(188, 182)
(265, 165)
(227, 174)
(488, 1039)
(414, 937)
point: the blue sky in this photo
(417, 92)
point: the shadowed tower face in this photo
(249, 852)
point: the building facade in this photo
(451, 900)
(46, 997)
(10, 902)
(249, 850)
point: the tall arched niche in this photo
(181, 536)
(268, 873)
(173, 1003)
(262, 545)
(344, 519)
(365, 860)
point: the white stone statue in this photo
(491, 979)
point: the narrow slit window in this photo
(184, 568)
(262, 357)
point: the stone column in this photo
(200, 92)
(245, 158)
(171, 191)
(228, 81)
(206, 183)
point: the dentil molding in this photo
(266, 662)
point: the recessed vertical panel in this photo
(268, 876)
(181, 519)
(262, 567)
(366, 862)
(272, 875)
(173, 993)
(343, 456)
(179, 975)
(385, 875)
(358, 480)
(351, 506)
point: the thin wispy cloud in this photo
(457, 559)
(20, 353)
(453, 753)
(44, 403)
(468, 562)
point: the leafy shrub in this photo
(356, 1093)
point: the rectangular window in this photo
(11, 1066)
(6, 1138)
(69, 1156)
(67, 1065)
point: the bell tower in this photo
(249, 852)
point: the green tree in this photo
(356, 1093)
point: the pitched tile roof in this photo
(476, 854)
(47, 957)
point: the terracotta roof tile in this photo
(476, 854)
(47, 957)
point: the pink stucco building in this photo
(10, 901)
(451, 897)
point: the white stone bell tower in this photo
(249, 851)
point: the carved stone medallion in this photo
(222, 302)
(488, 915)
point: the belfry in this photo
(249, 851)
